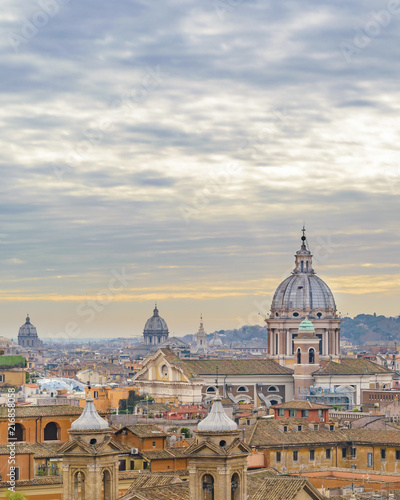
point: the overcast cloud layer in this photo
(183, 144)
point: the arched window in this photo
(210, 389)
(302, 265)
(242, 388)
(51, 432)
(273, 402)
(235, 487)
(307, 266)
(79, 486)
(107, 485)
(298, 356)
(272, 388)
(207, 485)
(311, 356)
(16, 432)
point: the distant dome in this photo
(217, 420)
(90, 419)
(28, 328)
(303, 293)
(215, 341)
(156, 324)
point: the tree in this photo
(126, 405)
(186, 432)
(15, 496)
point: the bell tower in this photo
(306, 357)
(218, 459)
(90, 458)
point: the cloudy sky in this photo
(171, 151)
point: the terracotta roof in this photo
(42, 410)
(145, 430)
(174, 452)
(151, 481)
(40, 450)
(285, 488)
(178, 491)
(197, 367)
(270, 434)
(358, 366)
(302, 405)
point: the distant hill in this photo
(366, 327)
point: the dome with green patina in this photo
(306, 326)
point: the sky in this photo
(171, 152)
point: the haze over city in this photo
(172, 155)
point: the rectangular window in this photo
(154, 444)
(281, 412)
(320, 414)
(96, 394)
(353, 452)
(344, 452)
(316, 427)
(132, 465)
(292, 413)
(328, 453)
(369, 460)
(397, 454)
(299, 427)
(295, 455)
(331, 427)
(278, 456)
(16, 473)
(285, 428)
(304, 413)
(383, 453)
(1, 378)
(122, 465)
(312, 454)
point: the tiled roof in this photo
(358, 366)
(38, 449)
(285, 488)
(178, 491)
(165, 454)
(197, 367)
(146, 430)
(256, 479)
(302, 405)
(42, 410)
(269, 434)
(152, 481)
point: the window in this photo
(51, 432)
(16, 432)
(1, 378)
(95, 394)
(273, 402)
(397, 454)
(299, 427)
(354, 452)
(316, 427)
(304, 413)
(311, 356)
(320, 413)
(16, 470)
(312, 454)
(299, 356)
(132, 465)
(281, 412)
(344, 452)
(122, 465)
(272, 389)
(285, 428)
(210, 389)
(278, 456)
(154, 444)
(331, 427)
(369, 460)
(295, 455)
(383, 453)
(242, 388)
(328, 453)
(292, 413)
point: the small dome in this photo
(90, 419)
(217, 420)
(215, 341)
(306, 326)
(156, 324)
(28, 328)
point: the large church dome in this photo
(156, 324)
(303, 293)
(28, 329)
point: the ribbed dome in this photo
(156, 324)
(303, 292)
(28, 328)
(217, 420)
(90, 419)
